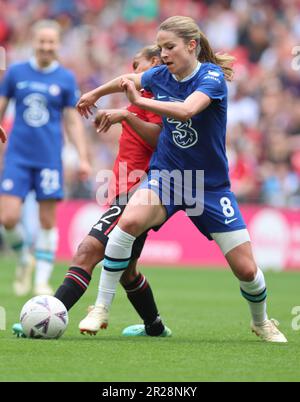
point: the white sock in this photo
(117, 257)
(255, 293)
(45, 251)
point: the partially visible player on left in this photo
(45, 95)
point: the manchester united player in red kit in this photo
(134, 155)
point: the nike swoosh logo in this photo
(227, 221)
(161, 96)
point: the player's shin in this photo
(141, 297)
(116, 260)
(45, 251)
(73, 287)
(16, 240)
(255, 293)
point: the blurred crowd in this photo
(100, 38)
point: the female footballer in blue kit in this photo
(45, 95)
(191, 94)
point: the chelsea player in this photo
(45, 95)
(191, 95)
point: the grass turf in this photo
(211, 337)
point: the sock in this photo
(141, 297)
(15, 239)
(255, 293)
(45, 251)
(73, 287)
(116, 260)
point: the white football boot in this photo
(268, 331)
(43, 289)
(23, 278)
(96, 319)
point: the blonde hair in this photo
(42, 24)
(187, 29)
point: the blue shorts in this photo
(19, 180)
(210, 211)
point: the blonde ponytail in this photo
(224, 60)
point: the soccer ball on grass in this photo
(44, 317)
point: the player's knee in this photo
(47, 222)
(9, 220)
(248, 273)
(132, 225)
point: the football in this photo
(44, 317)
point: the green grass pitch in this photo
(211, 337)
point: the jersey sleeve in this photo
(213, 85)
(71, 93)
(147, 78)
(7, 85)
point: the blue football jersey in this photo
(199, 143)
(40, 96)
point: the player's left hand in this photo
(3, 135)
(132, 93)
(105, 118)
(85, 170)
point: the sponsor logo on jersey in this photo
(36, 114)
(184, 135)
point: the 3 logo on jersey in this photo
(184, 135)
(36, 113)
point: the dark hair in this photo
(149, 52)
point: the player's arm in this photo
(183, 111)
(148, 131)
(3, 105)
(90, 98)
(75, 131)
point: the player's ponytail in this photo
(224, 60)
(187, 29)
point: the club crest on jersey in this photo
(184, 135)
(54, 90)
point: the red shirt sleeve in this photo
(150, 116)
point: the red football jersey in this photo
(134, 153)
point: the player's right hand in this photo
(85, 103)
(3, 135)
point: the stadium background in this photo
(263, 117)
